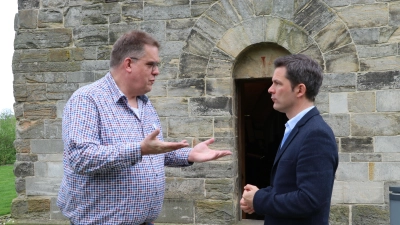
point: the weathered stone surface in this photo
(23, 169)
(338, 103)
(186, 88)
(104, 53)
(363, 192)
(48, 38)
(178, 30)
(284, 9)
(177, 211)
(219, 87)
(93, 14)
(386, 171)
(333, 36)
(39, 110)
(218, 68)
(220, 169)
(234, 41)
(132, 11)
(379, 50)
(394, 14)
(380, 64)
(197, 44)
(19, 207)
(340, 123)
(385, 100)
(190, 127)
(378, 80)
(339, 82)
(42, 186)
(48, 18)
(22, 146)
(361, 102)
(27, 157)
(336, 3)
(27, 19)
(73, 17)
(174, 107)
(359, 171)
(369, 15)
(54, 3)
(375, 124)
(55, 212)
(315, 53)
(223, 127)
(31, 55)
(46, 67)
(342, 60)
(171, 49)
(192, 66)
(90, 35)
(180, 188)
(159, 89)
(214, 212)
(339, 215)
(156, 10)
(218, 106)
(366, 157)
(322, 102)
(230, 11)
(314, 16)
(198, 7)
(370, 214)
(20, 185)
(29, 129)
(357, 145)
(255, 29)
(59, 55)
(28, 4)
(45, 146)
(52, 128)
(263, 7)
(292, 38)
(208, 28)
(369, 36)
(219, 189)
(387, 144)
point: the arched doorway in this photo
(260, 127)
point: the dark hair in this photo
(301, 69)
(131, 44)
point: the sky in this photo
(7, 14)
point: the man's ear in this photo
(301, 90)
(127, 64)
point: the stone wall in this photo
(62, 45)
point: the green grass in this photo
(7, 188)
(7, 137)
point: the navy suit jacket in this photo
(302, 176)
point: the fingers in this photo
(250, 187)
(209, 141)
(245, 207)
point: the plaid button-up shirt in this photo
(106, 179)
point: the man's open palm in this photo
(202, 153)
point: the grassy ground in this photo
(7, 188)
(7, 137)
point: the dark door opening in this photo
(260, 131)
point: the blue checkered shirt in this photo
(106, 179)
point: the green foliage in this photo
(7, 188)
(7, 137)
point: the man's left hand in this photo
(202, 153)
(248, 196)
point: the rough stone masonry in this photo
(62, 45)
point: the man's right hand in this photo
(152, 145)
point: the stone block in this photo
(220, 169)
(387, 144)
(42, 186)
(27, 19)
(50, 18)
(19, 207)
(292, 38)
(341, 82)
(214, 212)
(391, 157)
(192, 66)
(218, 68)
(334, 35)
(378, 80)
(20, 185)
(230, 11)
(28, 4)
(172, 171)
(132, 11)
(73, 17)
(186, 88)
(198, 44)
(377, 50)
(363, 192)
(361, 102)
(90, 35)
(47, 146)
(155, 28)
(234, 41)
(60, 108)
(34, 93)
(90, 65)
(344, 157)
(52, 129)
(27, 157)
(363, 16)
(218, 14)
(220, 143)
(263, 7)
(22, 146)
(118, 30)
(159, 89)
(46, 67)
(337, 3)
(172, 49)
(380, 64)
(29, 129)
(59, 55)
(40, 169)
(244, 9)
(198, 7)
(38, 204)
(30, 56)
(180, 188)
(284, 9)
(55, 169)
(357, 145)
(370, 214)
(359, 172)
(394, 14)
(179, 30)
(209, 29)
(338, 103)
(173, 107)
(190, 127)
(342, 60)
(156, 10)
(219, 189)
(385, 101)
(23, 169)
(53, 3)
(386, 171)
(375, 124)
(337, 193)
(55, 212)
(322, 102)
(104, 52)
(39, 110)
(313, 17)
(340, 124)
(369, 36)
(219, 87)
(339, 215)
(369, 157)
(93, 14)
(46, 38)
(255, 29)
(223, 127)
(177, 211)
(217, 106)
(50, 157)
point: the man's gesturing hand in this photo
(202, 153)
(151, 144)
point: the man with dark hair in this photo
(304, 169)
(114, 153)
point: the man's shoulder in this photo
(92, 89)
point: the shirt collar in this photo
(292, 122)
(116, 92)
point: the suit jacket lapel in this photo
(294, 132)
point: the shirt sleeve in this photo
(178, 158)
(82, 142)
